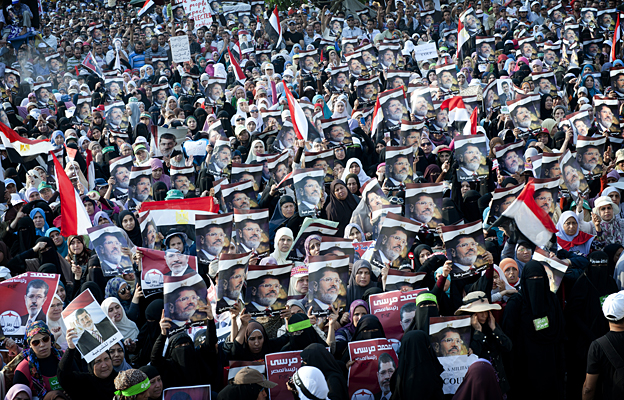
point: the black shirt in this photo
(294, 37)
(598, 364)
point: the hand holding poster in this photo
(94, 331)
(180, 49)
(328, 278)
(465, 248)
(185, 301)
(309, 184)
(395, 239)
(374, 364)
(555, 268)
(232, 276)
(424, 203)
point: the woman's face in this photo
(341, 193)
(465, 187)
(357, 314)
(172, 104)
(41, 344)
(589, 82)
(56, 238)
(288, 209)
(39, 221)
(352, 185)
(124, 292)
(128, 223)
(258, 148)
(60, 291)
(338, 171)
(355, 235)
(524, 254)
(89, 206)
(482, 317)
(315, 247)
(102, 221)
(339, 107)
(114, 312)
(117, 355)
(548, 103)
(56, 307)
(422, 257)
(339, 153)
(126, 151)
(512, 275)
(255, 342)
(559, 114)
(354, 168)
(157, 173)
(615, 197)
(102, 366)
(192, 124)
(606, 212)
(362, 277)
(302, 285)
(76, 246)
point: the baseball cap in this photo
(247, 376)
(9, 181)
(44, 185)
(16, 199)
(145, 115)
(174, 194)
(613, 306)
(523, 9)
(99, 182)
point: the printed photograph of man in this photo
(355, 67)
(449, 343)
(249, 235)
(367, 92)
(544, 200)
(336, 134)
(177, 263)
(166, 144)
(393, 113)
(398, 170)
(309, 195)
(420, 107)
(572, 180)
(527, 50)
(324, 290)
(484, 51)
(550, 57)
(221, 159)
(114, 118)
(385, 369)
(340, 80)
(215, 92)
(617, 82)
(410, 138)
(521, 117)
(392, 244)
(445, 80)
(469, 158)
(181, 305)
(308, 64)
(141, 188)
(422, 209)
(604, 118)
(230, 283)
(544, 86)
(93, 334)
(264, 294)
(35, 298)
(511, 163)
(211, 243)
(286, 138)
(551, 170)
(113, 261)
(407, 314)
(506, 94)
(182, 183)
(387, 58)
(500, 205)
(464, 252)
(590, 160)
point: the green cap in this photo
(44, 185)
(134, 390)
(174, 194)
(426, 297)
(145, 115)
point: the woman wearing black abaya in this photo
(613, 250)
(340, 205)
(534, 322)
(25, 236)
(470, 206)
(31, 260)
(368, 327)
(315, 355)
(99, 382)
(148, 333)
(362, 278)
(584, 318)
(418, 374)
(160, 191)
(95, 289)
(301, 333)
(252, 342)
(426, 307)
(131, 226)
(451, 214)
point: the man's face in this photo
(240, 201)
(400, 169)
(288, 138)
(395, 110)
(85, 321)
(337, 133)
(446, 80)
(341, 80)
(182, 183)
(388, 58)
(512, 162)
(251, 235)
(368, 91)
(311, 191)
(177, 262)
(466, 251)
(451, 344)
(224, 157)
(308, 63)
(44, 95)
(412, 138)
(355, 67)
(122, 177)
(214, 240)
(544, 86)
(267, 292)
(590, 158)
(328, 287)
(581, 127)
(527, 50)
(116, 116)
(143, 188)
(420, 107)
(166, 145)
(384, 373)
(111, 249)
(523, 118)
(394, 244)
(423, 209)
(619, 82)
(486, 50)
(185, 305)
(216, 92)
(34, 300)
(235, 283)
(544, 200)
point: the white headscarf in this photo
(361, 176)
(279, 256)
(127, 328)
(252, 156)
(219, 71)
(59, 336)
(167, 103)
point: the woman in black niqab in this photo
(470, 206)
(368, 327)
(418, 372)
(241, 351)
(534, 322)
(425, 309)
(316, 355)
(26, 236)
(160, 191)
(451, 214)
(149, 331)
(96, 291)
(340, 210)
(302, 339)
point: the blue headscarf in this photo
(40, 232)
(326, 111)
(112, 290)
(448, 278)
(62, 249)
(594, 90)
(54, 135)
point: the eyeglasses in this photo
(36, 342)
(337, 281)
(187, 298)
(270, 286)
(451, 340)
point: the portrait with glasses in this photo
(327, 283)
(450, 342)
(185, 301)
(589, 156)
(503, 199)
(470, 154)
(511, 159)
(231, 278)
(267, 290)
(547, 199)
(399, 167)
(395, 238)
(252, 235)
(35, 297)
(309, 190)
(424, 204)
(109, 243)
(212, 238)
(465, 248)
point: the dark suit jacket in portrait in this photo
(88, 342)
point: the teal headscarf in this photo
(62, 249)
(326, 111)
(40, 232)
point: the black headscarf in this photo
(611, 250)
(340, 210)
(450, 212)
(424, 310)
(470, 206)
(160, 191)
(419, 249)
(418, 370)
(480, 383)
(135, 233)
(307, 336)
(316, 355)
(50, 256)
(372, 326)
(544, 113)
(237, 392)
(26, 236)
(183, 364)
(371, 291)
(142, 130)
(354, 291)
(150, 331)
(95, 290)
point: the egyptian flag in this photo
(90, 170)
(91, 64)
(147, 8)
(617, 34)
(238, 72)
(463, 37)
(526, 220)
(377, 117)
(20, 149)
(301, 124)
(74, 217)
(258, 24)
(274, 29)
(471, 127)
(457, 109)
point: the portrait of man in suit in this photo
(264, 294)
(35, 298)
(238, 200)
(325, 289)
(393, 243)
(393, 113)
(182, 304)
(249, 236)
(423, 209)
(211, 242)
(469, 159)
(230, 283)
(449, 343)
(464, 252)
(93, 334)
(111, 256)
(385, 369)
(398, 170)
(221, 158)
(309, 194)
(177, 263)
(589, 159)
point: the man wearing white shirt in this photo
(370, 31)
(325, 290)
(351, 31)
(49, 39)
(177, 263)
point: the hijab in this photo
(127, 328)
(251, 157)
(112, 290)
(419, 249)
(150, 330)
(58, 326)
(450, 212)
(38, 327)
(348, 330)
(357, 180)
(26, 236)
(166, 179)
(63, 248)
(302, 340)
(581, 240)
(251, 328)
(135, 234)
(480, 383)
(298, 272)
(349, 227)
(278, 219)
(17, 389)
(340, 210)
(306, 245)
(101, 214)
(95, 290)
(363, 178)
(185, 365)
(278, 255)
(354, 291)
(426, 308)
(470, 206)
(368, 327)
(316, 355)
(160, 190)
(41, 231)
(124, 364)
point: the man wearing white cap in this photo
(605, 359)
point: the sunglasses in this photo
(123, 291)
(36, 342)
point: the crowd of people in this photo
(359, 150)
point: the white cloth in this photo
(127, 328)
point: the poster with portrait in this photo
(148, 230)
(286, 137)
(606, 112)
(321, 160)
(328, 278)
(528, 47)
(185, 301)
(220, 159)
(546, 195)
(470, 152)
(410, 134)
(502, 198)
(556, 15)
(252, 231)
(310, 226)
(491, 99)
(471, 102)
(395, 239)
(155, 265)
(369, 56)
(616, 79)
(471, 22)
(82, 114)
(114, 88)
(336, 130)
(361, 247)
(552, 54)
(309, 190)
(465, 247)
(167, 140)
(592, 47)
(247, 172)
(120, 168)
(96, 332)
(450, 340)
(160, 94)
(140, 188)
(183, 178)
(510, 158)
(374, 363)
(447, 78)
(373, 199)
(605, 20)
(109, 242)
(588, 17)
(354, 63)
(348, 45)
(231, 279)
(367, 90)
(393, 108)
(266, 290)
(11, 79)
(525, 112)
(421, 103)
(545, 82)
(116, 120)
(336, 246)
(573, 182)
(308, 62)
(506, 91)
(397, 78)
(579, 122)
(280, 367)
(215, 90)
(278, 166)
(570, 35)
(423, 203)
(395, 310)
(589, 155)
(239, 196)
(550, 166)
(485, 51)
(403, 280)
(399, 167)
(339, 78)
(199, 392)
(215, 132)
(555, 268)
(213, 235)
(25, 298)
(388, 57)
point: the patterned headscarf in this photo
(29, 354)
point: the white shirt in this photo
(352, 32)
(322, 305)
(51, 41)
(259, 307)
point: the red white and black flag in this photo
(274, 29)
(74, 217)
(463, 37)
(21, 149)
(91, 64)
(301, 124)
(148, 8)
(238, 72)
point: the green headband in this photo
(299, 326)
(107, 149)
(134, 390)
(426, 297)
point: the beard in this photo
(123, 184)
(513, 169)
(220, 163)
(446, 86)
(573, 186)
(525, 123)
(142, 197)
(400, 177)
(327, 298)
(473, 166)
(466, 260)
(391, 254)
(396, 116)
(114, 258)
(425, 218)
(606, 123)
(232, 294)
(214, 250)
(267, 301)
(252, 244)
(311, 199)
(590, 167)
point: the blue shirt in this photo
(136, 60)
